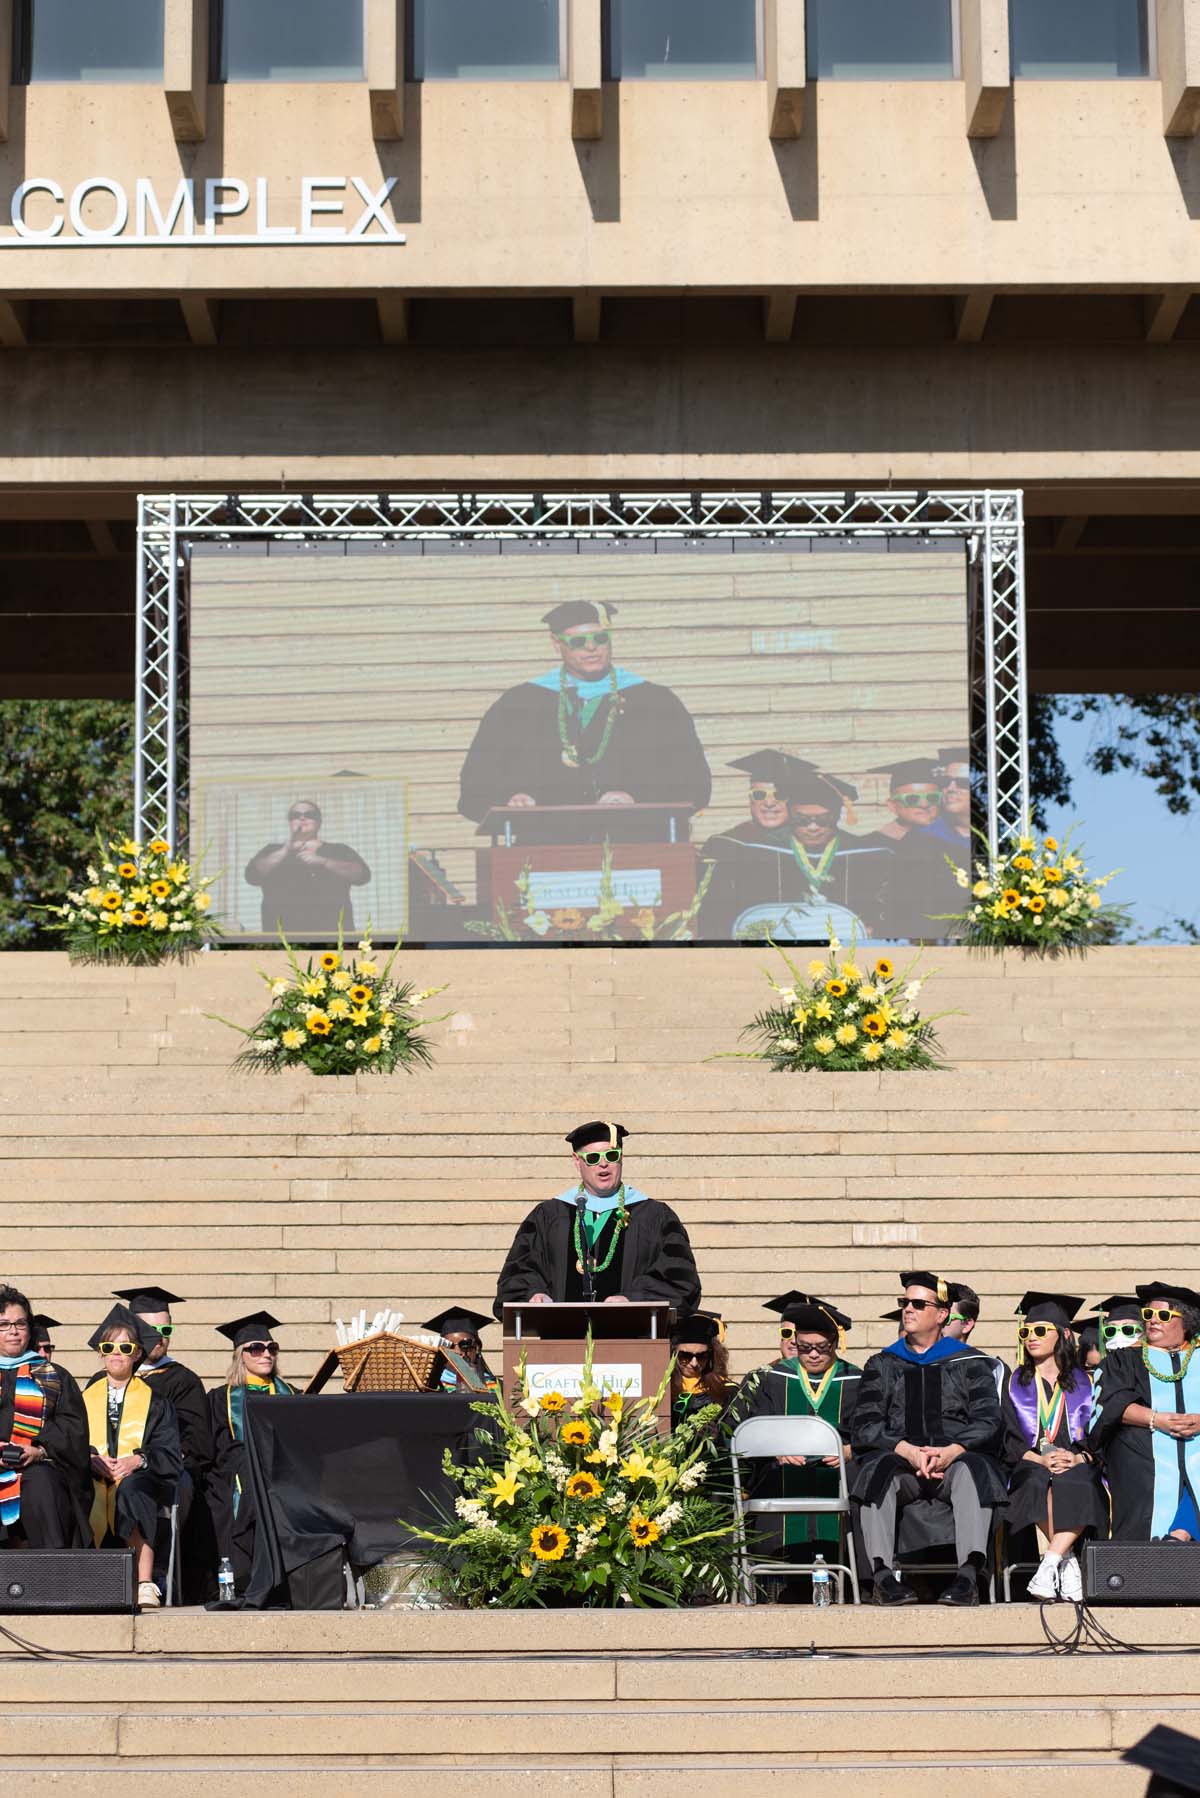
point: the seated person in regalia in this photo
(45, 1485)
(1146, 1421)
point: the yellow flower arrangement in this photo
(1037, 895)
(112, 923)
(880, 1007)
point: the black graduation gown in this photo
(1080, 1502)
(299, 897)
(235, 1534)
(1128, 1452)
(198, 1543)
(653, 752)
(140, 1494)
(653, 1263)
(923, 886)
(929, 1405)
(56, 1494)
(753, 867)
(765, 1393)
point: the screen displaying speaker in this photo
(67, 1579)
(1141, 1573)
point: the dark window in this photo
(683, 40)
(1084, 39)
(102, 40)
(897, 40)
(290, 40)
(486, 40)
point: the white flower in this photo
(693, 1476)
(266, 1042)
(470, 1509)
(913, 988)
(531, 1404)
(834, 945)
(616, 1501)
(538, 922)
(908, 1017)
(278, 987)
(484, 1523)
(787, 994)
(960, 874)
(92, 874)
(670, 1516)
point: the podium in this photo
(654, 864)
(631, 1346)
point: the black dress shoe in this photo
(890, 1589)
(963, 1588)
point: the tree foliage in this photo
(66, 772)
(1155, 735)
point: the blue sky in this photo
(1122, 823)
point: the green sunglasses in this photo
(593, 1156)
(588, 640)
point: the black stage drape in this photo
(343, 1470)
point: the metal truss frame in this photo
(989, 522)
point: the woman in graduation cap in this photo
(45, 1478)
(586, 732)
(253, 1374)
(629, 1246)
(459, 1330)
(1053, 1480)
(1146, 1420)
(701, 1372)
(810, 1379)
(136, 1458)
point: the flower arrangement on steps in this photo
(1036, 895)
(138, 906)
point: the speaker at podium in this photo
(550, 859)
(631, 1348)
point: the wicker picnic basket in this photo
(390, 1363)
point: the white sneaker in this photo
(149, 1596)
(1070, 1579)
(1044, 1584)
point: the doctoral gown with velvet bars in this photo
(753, 867)
(1148, 1472)
(653, 1262)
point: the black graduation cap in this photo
(1119, 1305)
(579, 611)
(948, 758)
(916, 767)
(597, 1131)
(120, 1319)
(1057, 1308)
(935, 1283)
(701, 1326)
(1172, 1760)
(891, 1317)
(1175, 1295)
(149, 1298)
(805, 1311)
(40, 1326)
(795, 779)
(458, 1319)
(256, 1326)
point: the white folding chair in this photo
(174, 1581)
(766, 1439)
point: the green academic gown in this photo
(784, 1390)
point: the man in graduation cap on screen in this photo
(587, 732)
(1146, 1420)
(460, 1329)
(603, 1233)
(935, 849)
(914, 798)
(789, 878)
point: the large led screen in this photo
(538, 742)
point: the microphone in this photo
(585, 1247)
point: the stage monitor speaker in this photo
(66, 1579)
(1141, 1573)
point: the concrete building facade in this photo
(766, 243)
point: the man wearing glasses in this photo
(935, 852)
(587, 732)
(925, 1438)
(306, 881)
(914, 798)
(1146, 1420)
(602, 1235)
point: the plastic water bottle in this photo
(821, 1595)
(225, 1588)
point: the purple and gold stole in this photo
(1024, 1400)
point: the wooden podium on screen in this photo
(631, 1347)
(653, 861)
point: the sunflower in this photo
(836, 989)
(1010, 897)
(359, 995)
(160, 888)
(373, 1045)
(319, 1024)
(583, 1485)
(1024, 863)
(553, 1401)
(111, 901)
(127, 870)
(1051, 844)
(643, 1530)
(1053, 876)
(883, 968)
(874, 1025)
(576, 1434)
(1037, 903)
(159, 847)
(548, 1542)
(330, 960)
(138, 917)
(568, 917)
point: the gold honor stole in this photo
(134, 1412)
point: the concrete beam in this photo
(203, 319)
(971, 314)
(986, 64)
(14, 324)
(779, 317)
(393, 317)
(185, 68)
(1179, 65)
(586, 315)
(785, 61)
(6, 38)
(1163, 311)
(585, 63)
(385, 21)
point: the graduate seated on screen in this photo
(45, 1485)
(811, 1378)
(700, 1376)
(135, 1454)
(459, 1329)
(633, 1248)
(253, 1374)
(925, 1434)
(1146, 1420)
(1053, 1479)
